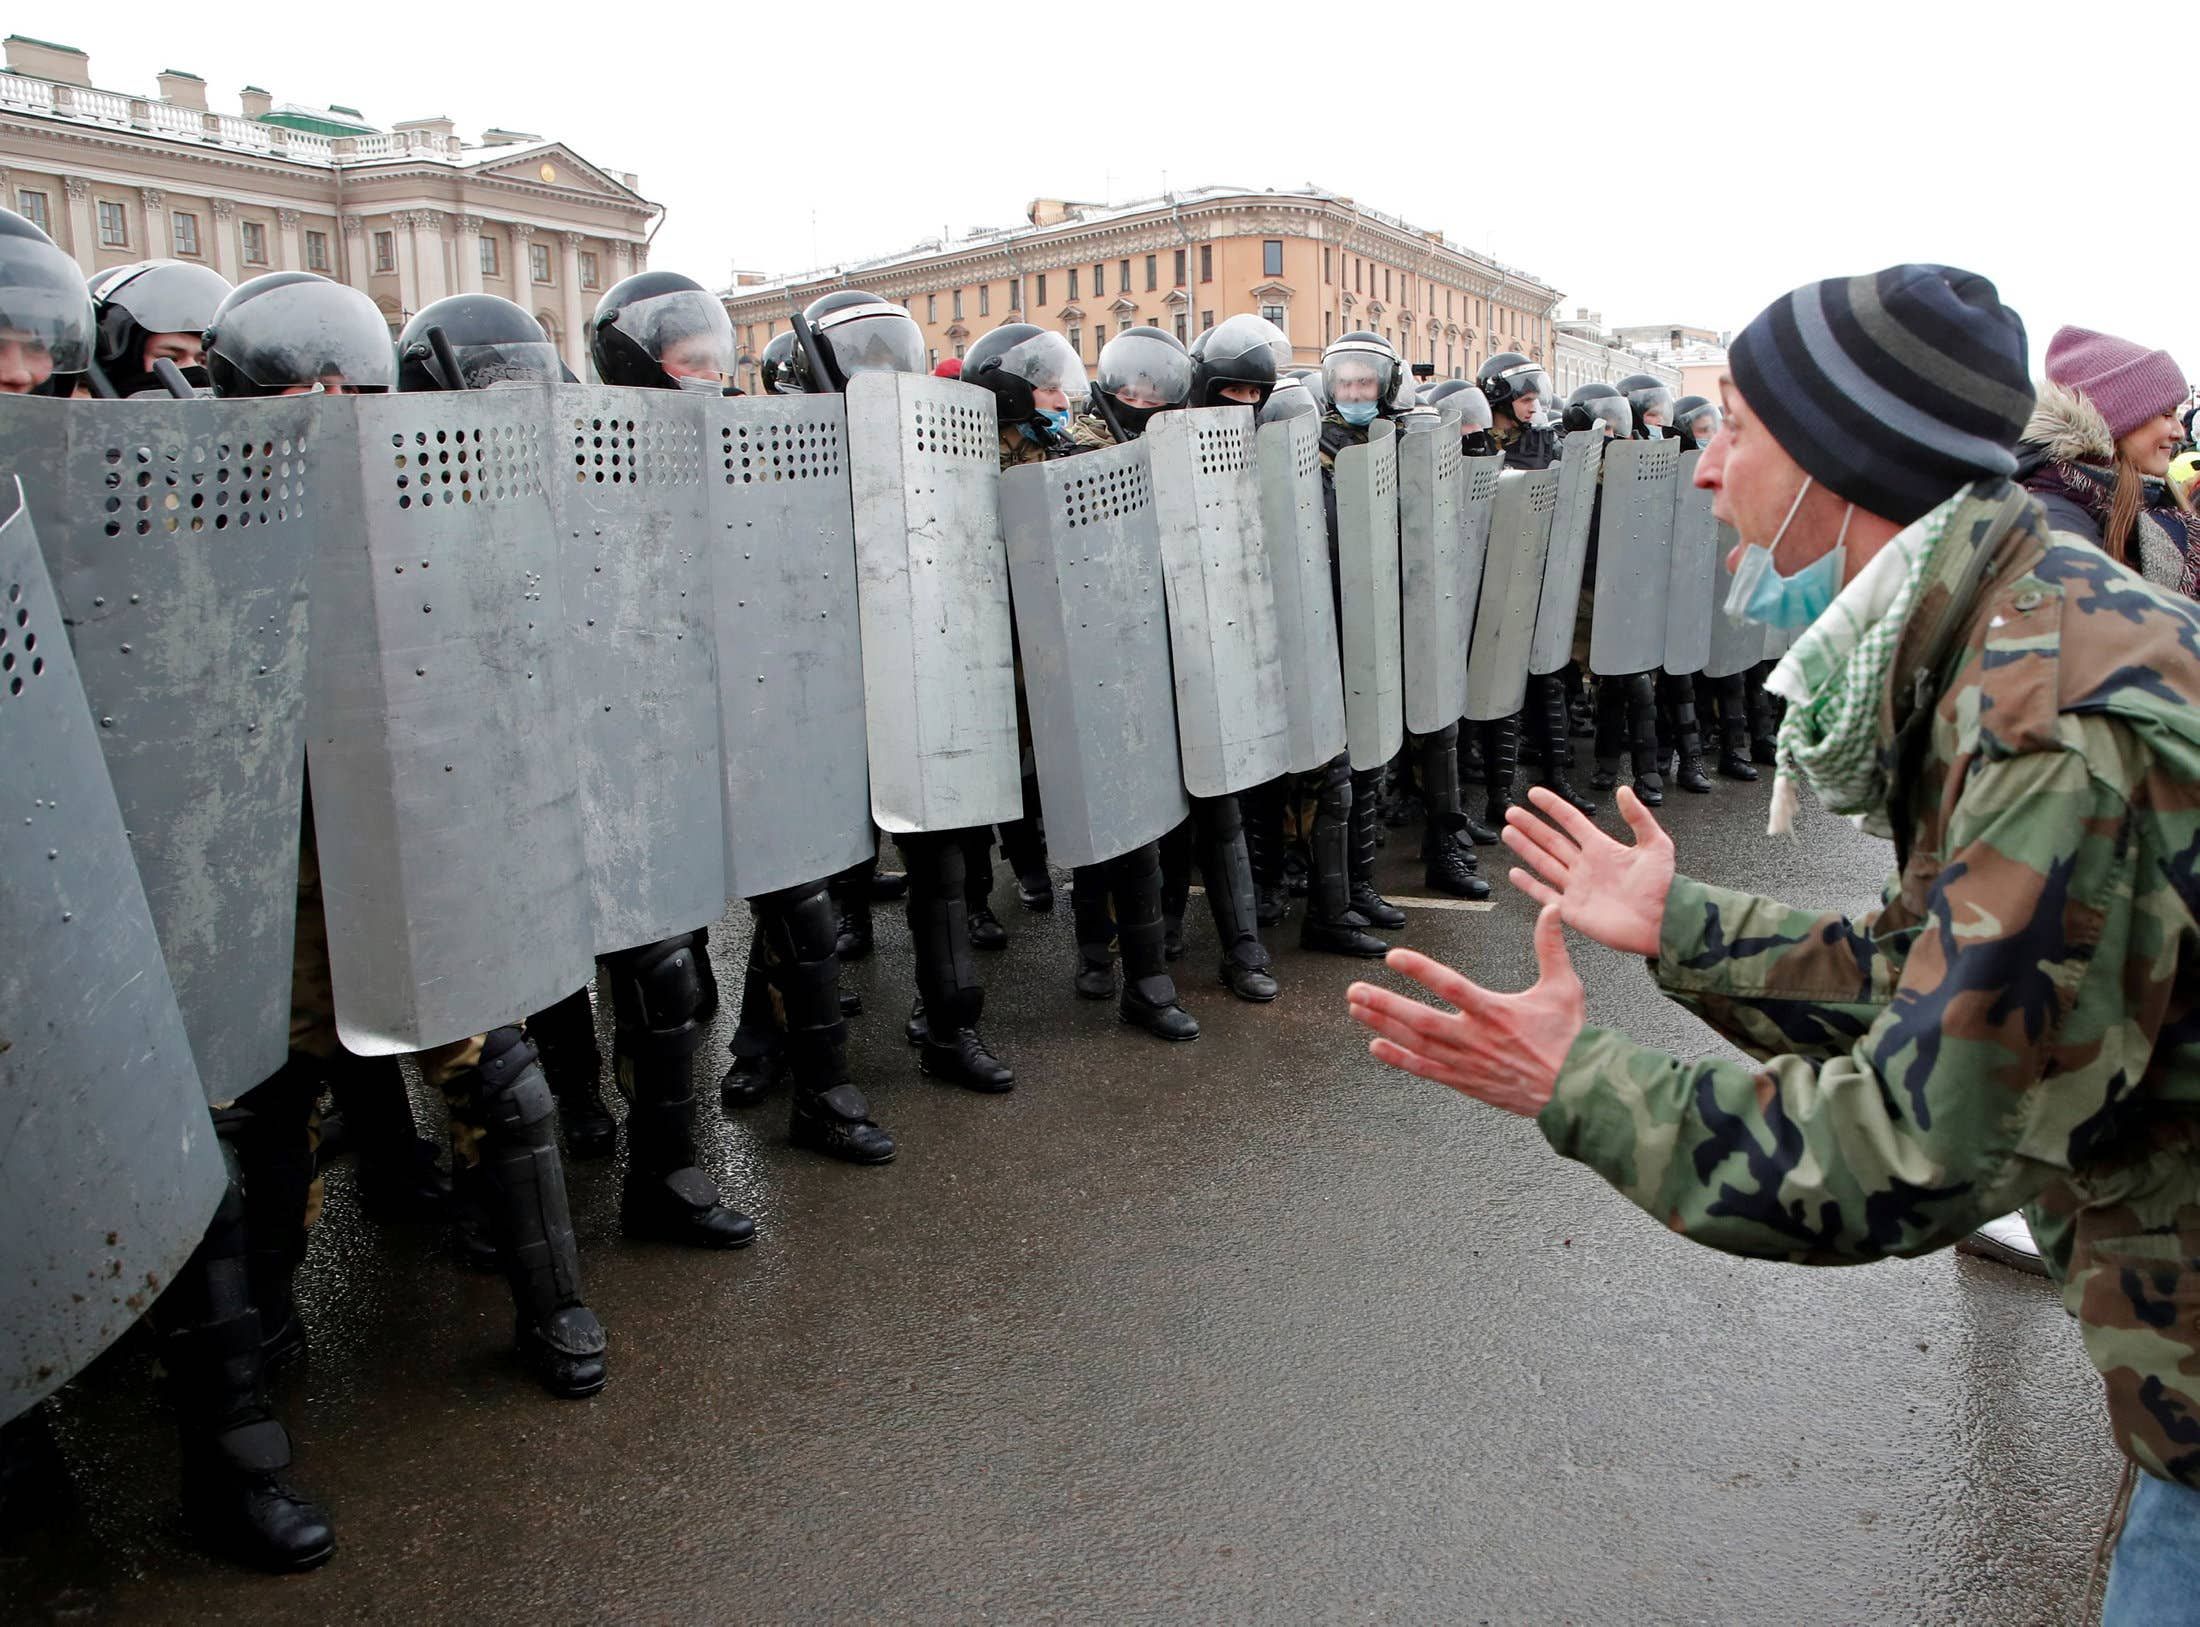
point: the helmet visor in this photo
(1609, 410)
(1701, 424)
(686, 330)
(1046, 362)
(1473, 408)
(43, 302)
(306, 333)
(888, 341)
(1527, 379)
(524, 362)
(1658, 401)
(1290, 399)
(1242, 333)
(169, 296)
(1145, 370)
(1358, 375)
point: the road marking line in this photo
(1468, 904)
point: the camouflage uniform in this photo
(2015, 1025)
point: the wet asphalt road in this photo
(1246, 1330)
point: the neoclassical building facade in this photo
(1314, 263)
(407, 214)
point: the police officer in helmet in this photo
(1516, 389)
(156, 310)
(775, 371)
(1650, 400)
(46, 324)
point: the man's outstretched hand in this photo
(1606, 890)
(1504, 1049)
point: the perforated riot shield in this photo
(1736, 644)
(1297, 537)
(108, 1165)
(440, 731)
(180, 539)
(790, 647)
(1512, 583)
(1092, 622)
(1230, 721)
(1477, 508)
(1634, 557)
(1694, 564)
(641, 658)
(939, 678)
(1368, 634)
(1579, 458)
(1435, 599)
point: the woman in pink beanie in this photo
(2098, 449)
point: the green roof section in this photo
(313, 124)
(181, 73)
(51, 45)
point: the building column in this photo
(466, 244)
(154, 241)
(576, 319)
(356, 251)
(221, 253)
(290, 253)
(523, 268)
(432, 277)
(408, 280)
(83, 225)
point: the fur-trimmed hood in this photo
(2068, 428)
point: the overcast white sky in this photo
(1658, 164)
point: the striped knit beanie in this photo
(1891, 390)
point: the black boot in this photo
(1176, 886)
(830, 1115)
(1095, 976)
(1547, 721)
(1730, 699)
(1678, 690)
(1226, 861)
(1149, 992)
(986, 931)
(1447, 866)
(1501, 767)
(565, 1040)
(1641, 697)
(838, 1123)
(1023, 845)
(1332, 925)
(1397, 792)
(654, 1038)
(1262, 810)
(950, 999)
(555, 1332)
(1611, 732)
(852, 923)
(759, 1049)
(1367, 818)
(399, 1178)
(706, 976)
(236, 1501)
(269, 1131)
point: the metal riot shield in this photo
(180, 537)
(1512, 583)
(1368, 633)
(1736, 644)
(939, 677)
(640, 653)
(1297, 537)
(790, 650)
(1579, 458)
(1634, 557)
(1223, 643)
(1694, 564)
(108, 1164)
(1478, 507)
(1435, 601)
(440, 727)
(1092, 622)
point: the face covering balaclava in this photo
(1762, 594)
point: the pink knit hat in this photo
(2127, 383)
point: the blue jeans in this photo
(2155, 1578)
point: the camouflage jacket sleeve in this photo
(1940, 1114)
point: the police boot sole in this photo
(829, 1142)
(1344, 941)
(244, 1549)
(563, 1374)
(1251, 984)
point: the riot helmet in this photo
(1652, 401)
(490, 340)
(1359, 375)
(1035, 378)
(1595, 404)
(1696, 420)
(658, 330)
(288, 331)
(155, 304)
(1141, 371)
(1509, 379)
(1244, 354)
(45, 313)
(1289, 399)
(781, 369)
(860, 333)
(1405, 394)
(1472, 406)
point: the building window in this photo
(32, 207)
(1179, 268)
(932, 357)
(1072, 285)
(931, 307)
(1123, 276)
(1206, 320)
(254, 234)
(385, 251)
(114, 226)
(1099, 280)
(1329, 329)
(1122, 324)
(538, 261)
(317, 251)
(489, 257)
(955, 304)
(1042, 290)
(1275, 314)
(588, 268)
(1181, 335)
(959, 352)
(1386, 285)
(1206, 262)
(985, 299)
(186, 229)
(1016, 293)
(1076, 337)
(1326, 277)
(1357, 263)
(1271, 257)
(1153, 276)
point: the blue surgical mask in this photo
(1358, 413)
(1053, 425)
(1761, 594)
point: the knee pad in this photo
(514, 1094)
(656, 991)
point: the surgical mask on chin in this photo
(1358, 413)
(1761, 594)
(1052, 425)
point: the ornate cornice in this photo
(288, 218)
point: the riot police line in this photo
(364, 700)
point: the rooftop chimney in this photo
(257, 103)
(42, 59)
(180, 89)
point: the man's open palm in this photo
(1605, 889)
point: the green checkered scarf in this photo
(1835, 679)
